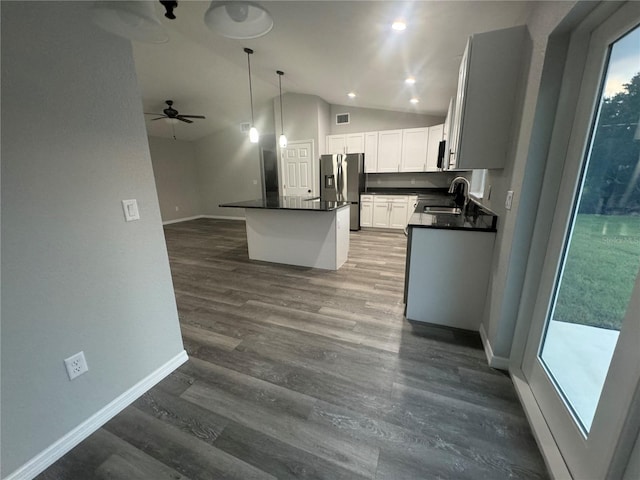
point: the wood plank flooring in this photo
(309, 374)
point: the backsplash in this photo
(410, 180)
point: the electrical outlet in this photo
(509, 200)
(413, 181)
(76, 365)
(177, 208)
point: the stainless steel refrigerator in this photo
(342, 179)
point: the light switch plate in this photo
(509, 200)
(130, 208)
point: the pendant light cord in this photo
(280, 73)
(249, 52)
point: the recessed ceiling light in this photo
(414, 100)
(410, 81)
(399, 25)
(351, 95)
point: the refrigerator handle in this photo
(339, 185)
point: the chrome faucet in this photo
(466, 189)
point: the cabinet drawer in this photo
(366, 198)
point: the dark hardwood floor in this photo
(310, 374)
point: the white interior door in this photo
(582, 359)
(299, 169)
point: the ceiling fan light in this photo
(282, 141)
(254, 136)
(237, 19)
(134, 20)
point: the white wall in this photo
(514, 226)
(75, 275)
(371, 120)
(176, 177)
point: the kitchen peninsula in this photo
(300, 231)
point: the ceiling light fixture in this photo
(283, 139)
(399, 25)
(351, 95)
(414, 100)
(238, 19)
(130, 19)
(410, 81)
(254, 136)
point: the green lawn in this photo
(601, 268)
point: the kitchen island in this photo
(300, 231)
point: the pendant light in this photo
(283, 138)
(254, 136)
(238, 19)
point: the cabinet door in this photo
(354, 143)
(458, 109)
(398, 217)
(414, 149)
(371, 152)
(336, 144)
(435, 137)
(366, 214)
(389, 151)
(412, 204)
(381, 214)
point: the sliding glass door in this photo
(583, 366)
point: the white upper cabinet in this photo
(392, 151)
(371, 152)
(433, 144)
(485, 101)
(414, 150)
(345, 143)
(389, 151)
(354, 143)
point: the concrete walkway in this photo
(578, 357)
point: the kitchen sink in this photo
(446, 210)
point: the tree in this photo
(611, 183)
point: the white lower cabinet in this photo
(412, 204)
(366, 211)
(398, 213)
(388, 211)
(381, 214)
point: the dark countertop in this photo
(313, 204)
(474, 217)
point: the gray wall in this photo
(514, 226)
(174, 170)
(75, 275)
(410, 180)
(228, 171)
(371, 120)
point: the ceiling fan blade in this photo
(184, 119)
(159, 118)
(191, 116)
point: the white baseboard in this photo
(222, 217)
(183, 219)
(51, 454)
(196, 217)
(501, 363)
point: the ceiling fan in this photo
(172, 113)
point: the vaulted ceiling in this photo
(325, 48)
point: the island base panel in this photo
(308, 239)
